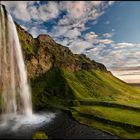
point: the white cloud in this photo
(26, 10)
(78, 46)
(111, 2)
(49, 11)
(19, 9)
(77, 14)
(116, 54)
(94, 22)
(35, 31)
(91, 37)
(64, 42)
(96, 3)
(108, 35)
(81, 11)
(123, 45)
(106, 41)
(64, 21)
(137, 54)
(75, 9)
(73, 33)
(60, 31)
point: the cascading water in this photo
(14, 87)
(15, 94)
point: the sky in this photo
(105, 31)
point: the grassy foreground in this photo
(95, 98)
(124, 123)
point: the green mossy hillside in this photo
(95, 98)
(50, 88)
(86, 88)
(81, 86)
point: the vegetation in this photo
(95, 98)
(75, 83)
(26, 41)
(122, 122)
(51, 88)
(40, 135)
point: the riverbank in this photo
(63, 126)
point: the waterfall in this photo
(15, 93)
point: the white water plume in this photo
(15, 93)
(14, 87)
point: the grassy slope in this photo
(101, 86)
(94, 98)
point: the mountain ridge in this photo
(73, 82)
(36, 49)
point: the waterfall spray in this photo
(14, 87)
(15, 94)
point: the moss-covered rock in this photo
(40, 135)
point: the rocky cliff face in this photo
(43, 53)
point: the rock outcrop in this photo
(43, 53)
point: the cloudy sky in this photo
(106, 31)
